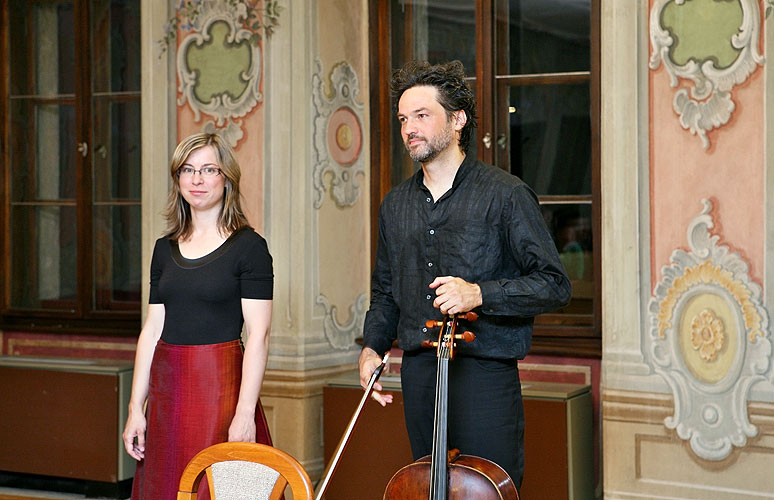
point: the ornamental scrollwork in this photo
(709, 341)
(343, 336)
(338, 136)
(707, 335)
(708, 104)
(226, 84)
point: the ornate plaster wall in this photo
(316, 234)
(695, 193)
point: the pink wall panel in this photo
(730, 173)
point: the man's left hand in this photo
(455, 295)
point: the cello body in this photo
(468, 477)
(445, 474)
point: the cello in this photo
(445, 474)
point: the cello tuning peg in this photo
(469, 316)
(429, 343)
(431, 323)
(467, 336)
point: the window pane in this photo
(43, 257)
(42, 151)
(117, 264)
(570, 225)
(548, 36)
(434, 31)
(116, 149)
(550, 137)
(42, 48)
(115, 45)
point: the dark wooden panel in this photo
(545, 450)
(58, 423)
(378, 447)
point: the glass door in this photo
(433, 31)
(72, 167)
(533, 65)
(544, 125)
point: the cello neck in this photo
(439, 456)
(438, 462)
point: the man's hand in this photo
(455, 295)
(370, 361)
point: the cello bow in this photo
(331, 468)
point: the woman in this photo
(210, 275)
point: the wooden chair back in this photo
(234, 469)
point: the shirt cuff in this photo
(491, 296)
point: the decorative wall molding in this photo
(343, 336)
(224, 107)
(338, 135)
(708, 105)
(709, 340)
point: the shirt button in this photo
(427, 297)
(428, 200)
(429, 264)
(424, 330)
(432, 231)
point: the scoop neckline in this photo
(187, 263)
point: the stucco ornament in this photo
(219, 69)
(708, 104)
(707, 335)
(343, 336)
(338, 136)
(709, 340)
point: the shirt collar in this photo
(467, 165)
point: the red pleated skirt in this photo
(192, 399)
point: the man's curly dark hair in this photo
(454, 93)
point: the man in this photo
(458, 236)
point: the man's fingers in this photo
(382, 399)
(440, 280)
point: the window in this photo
(534, 67)
(71, 168)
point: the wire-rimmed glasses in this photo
(188, 172)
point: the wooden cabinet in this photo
(64, 418)
(558, 449)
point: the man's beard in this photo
(432, 147)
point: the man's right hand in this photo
(370, 361)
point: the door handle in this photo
(83, 148)
(487, 140)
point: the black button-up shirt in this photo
(487, 229)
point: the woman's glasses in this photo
(188, 172)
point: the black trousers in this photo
(486, 414)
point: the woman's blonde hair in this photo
(178, 211)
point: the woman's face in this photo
(201, 181)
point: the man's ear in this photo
(460, 119)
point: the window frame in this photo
(554, 334)
(84, 318)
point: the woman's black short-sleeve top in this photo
(202, 297)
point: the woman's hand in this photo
(146, 345)
(135, 428)
(242, 428)
(257, 314)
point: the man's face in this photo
(424, 125)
